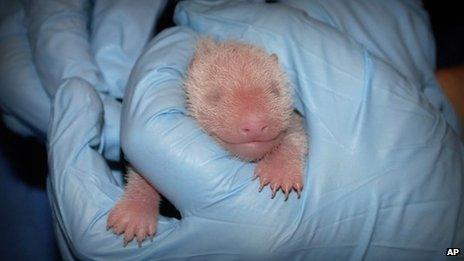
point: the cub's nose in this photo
(253, 126)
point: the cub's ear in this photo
(274, 57)
(206, 45)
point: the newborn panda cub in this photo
(240, 96)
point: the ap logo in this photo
(453, 251)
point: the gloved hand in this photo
(25, 104)
(406, 41)
(51, 39)
(384, 176)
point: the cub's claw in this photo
(263, 183)
(287, 193)
(298, 189)
(274, 188)
(280, 176)
(133, 219)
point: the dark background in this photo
(447, 19)
(24, 236)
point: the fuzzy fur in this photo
(240, 96)
(231, 86)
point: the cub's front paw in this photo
(280, 174)
(134, 219)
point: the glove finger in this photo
(21, 92)
(58, 33)
(81, 187)
(112, 37)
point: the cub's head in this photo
(239, 95)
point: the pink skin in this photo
(136, 213)
(240, 96)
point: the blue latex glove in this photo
(405, 42)
(25, 104)
(384, 176)
(120, 30)
(63, 47)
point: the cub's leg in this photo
(283, 168)
(136, 213)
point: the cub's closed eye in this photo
(275, 89)
(214, 96)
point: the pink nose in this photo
(252, 127)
